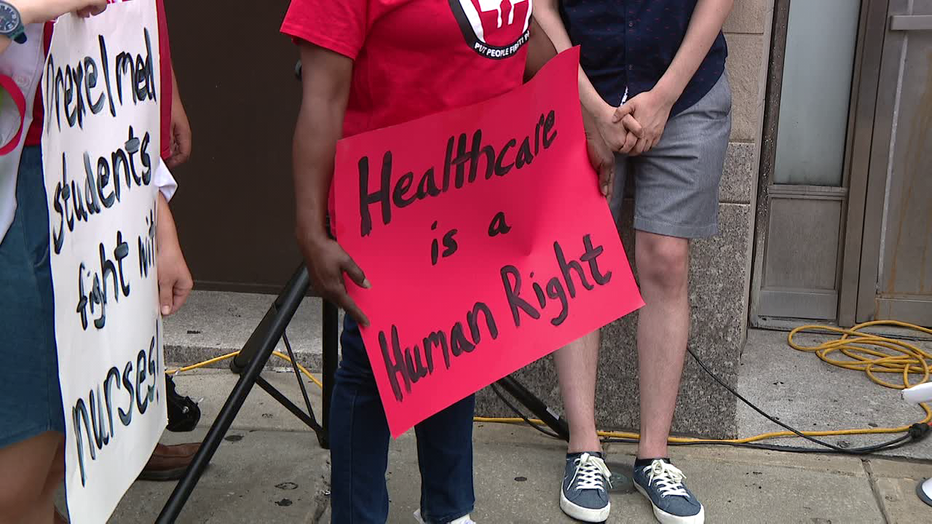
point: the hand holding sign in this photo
(487, 238)
(38, 11)
(326, 262)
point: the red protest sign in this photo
(485, 239)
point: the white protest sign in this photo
(100, 150)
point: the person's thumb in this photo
(624, 110)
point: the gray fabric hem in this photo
(675, 230)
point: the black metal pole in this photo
(307, 418)
(278, 317)
(330, 357)
(276, 320)
(535, 406)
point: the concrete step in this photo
(213, 323)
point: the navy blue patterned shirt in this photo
(627, 45)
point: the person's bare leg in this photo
(27, 490)
(55, 477)
(663, 329)
(576, 368)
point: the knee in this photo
(663, 263)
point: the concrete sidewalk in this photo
(271, 470)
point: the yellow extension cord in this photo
(908, 359)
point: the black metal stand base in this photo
(253, 357)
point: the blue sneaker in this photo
(662, 484)
(583, 495)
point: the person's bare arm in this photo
(652, 108)
(540, 50)
(547, 14)
(180, 133)
(175, 282)
(326, 78)
(40, 11)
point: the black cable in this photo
(847, 451)
(916, 432)
(518, 412)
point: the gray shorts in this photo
(676, 182)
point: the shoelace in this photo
(668, 477)
(591, 472)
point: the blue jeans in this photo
(359, 439)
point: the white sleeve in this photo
(164, 180)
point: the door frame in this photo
(853, 191)
(864, 215)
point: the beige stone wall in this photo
(720, 270)
(745, 31)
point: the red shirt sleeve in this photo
(337, 25)
(165, 104)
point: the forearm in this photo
(326, 82)
(165, 231)
(4, 44)
(704, 26)
(547, 14)
(318, 129)
(540, 50)
(176, 96)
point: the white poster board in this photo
(100, 149)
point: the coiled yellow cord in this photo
(853, 344)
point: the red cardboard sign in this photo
(485, 238)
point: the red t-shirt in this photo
(34, 134)
(417, 57)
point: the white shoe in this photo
(462, 520)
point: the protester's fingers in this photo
(345, 302)
(92, 8)
(607, 178)
(355, 273)
(640, 147)
(165, 297)
(633, 126)
(630, 141)
(650, 145)
(184, 144)
(622, 111)
(181, 139)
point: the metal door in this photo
(895, 280)
(234, 206)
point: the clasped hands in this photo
(636, 126)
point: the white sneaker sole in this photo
(668, 518)
(581, 513)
